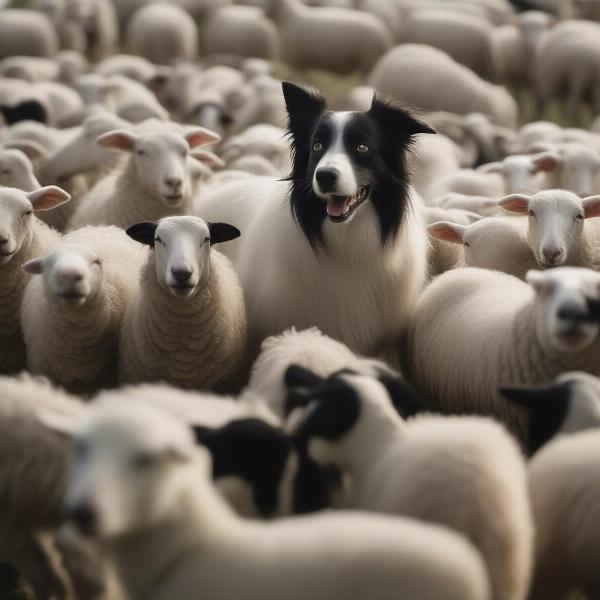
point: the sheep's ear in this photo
(222, 232)
(119, 139)
(493, 167)
(447, 232)
(404, 398)
(30, 148)
(591, 206)
(201, 135)
(64, 424)
(143, 232)
(545, 162)
(34, 266)
(517, 204)
(538, 281)
(396, 119)
(48, 197)
(208, 158)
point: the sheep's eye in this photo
(184, 153)
(28, 213)
(143, 461)
(317, 147)
(362, 148)
(579, 217)
(206, 239)
(466, 244)
(98, 262)
(531, 213)
(157, 239)
(141, 152)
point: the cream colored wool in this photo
(77, 347)
(191, 343)
(38, 239)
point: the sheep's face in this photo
(182, 250)
(16, 216)
(130, 468)
(16, 171)
(160, 160)
(563, 319)
(72, 275)
(580, 167)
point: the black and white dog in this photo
(339, 244)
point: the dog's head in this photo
(342, 160)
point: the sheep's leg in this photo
(573, 104)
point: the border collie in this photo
(339, 244)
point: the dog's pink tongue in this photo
(336, 206)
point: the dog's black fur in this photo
(385, 128)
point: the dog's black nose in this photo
(85, 518)
(181, 275)
(327, 178)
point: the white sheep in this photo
(239, 31)
(163, 33)
(158, 486)
(333, 33)
(427, 78)
(22, 237)
(474, 330)
(564, 495)
(154, 182)
(482, 205)
(16, 170)
(71, 315)
(567, 405)
(465, 473)
(26, 33)
(187, 323)
(495, 243)
(321, 354)
(558, 230)
(128, 65)
(467, 39)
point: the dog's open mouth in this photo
(340, 208)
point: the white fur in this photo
(357, 292)
(178, 522)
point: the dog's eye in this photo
(362, 148)
(317, 147)
(531, 213)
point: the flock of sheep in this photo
(206, 346)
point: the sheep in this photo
(36, 420)
(482, 205)
(71, 316)
(571, 166)
(564, 495)
(256, 165)
(239, 31)
(188, 528)
(429, 79)
(467, 39)
(187, 323)
(22, 237)
(333, 33)
(558, 230)
(441, 256)
(16, 171)
(567, 405)
(127, 65)
(539, 329)
(27, 33)
(154, 182)
(163, 33)
(98, 19)
(323, 355)
(496, 243)
(533, 133)
(423, 468)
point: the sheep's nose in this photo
(327, 178)
(85, 518)
(181, 275)
(572, 313)
(551, 254)
(3, 240)
(70, 276)
(174, 182)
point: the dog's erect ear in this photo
(395, 119)
(143, 232)
(302, 104)
(222, 232)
